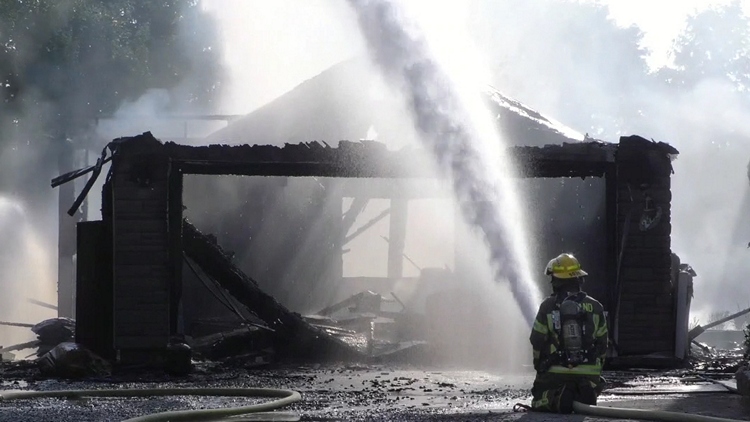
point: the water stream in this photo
(455, 133)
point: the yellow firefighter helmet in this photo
(565, 266)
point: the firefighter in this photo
(569, 339)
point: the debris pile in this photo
(71, 360)
(52, 332)
(743, 380)
(291, 334)
(250, 344)
(373, 324)
(49, 332)
(720, 350)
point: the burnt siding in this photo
(646, 322)
(141, 245)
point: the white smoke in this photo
(710, 126)
(450, 121)
(26, 271)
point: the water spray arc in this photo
(456, 140)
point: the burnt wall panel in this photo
(645, 314)
(141, 256)
(94, 288)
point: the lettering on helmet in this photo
(588, 307)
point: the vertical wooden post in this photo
(143, 270)
(66, 243)
(342, 229)
(397, 237)
(174, 228)
(612, 245)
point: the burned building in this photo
(280, 237)
(131, 265)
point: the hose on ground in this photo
(284, 398)
(646, 415)
(731, 389)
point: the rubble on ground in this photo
(711, 359)
(376, 326)
(251, 343)
(293, 336)
(742, 376)
(71, 360)
(52, 332)
(49, 332)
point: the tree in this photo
(568, 59)
(715, 44)
(65, 62)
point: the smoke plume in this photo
(444, 118)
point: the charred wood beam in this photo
(355, 209)
(72, 175)
(366, 159)
(367, 225)
(695, 332)
(397, 237)
(16, 324)
(555, 168)
(296, 169)
(175, 253)
(538, 168)
(21, 346)
(612, 255)
(350, 301)
(404, 255)
(42, 304)
(295, 336)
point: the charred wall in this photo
(645, 306)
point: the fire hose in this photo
(287, 397)
(642, 414)
(639, 414)
(646, 415)
(283, 398)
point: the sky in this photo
(660, 20)
(272, 46)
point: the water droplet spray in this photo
(461, 136)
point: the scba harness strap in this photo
(575, 344)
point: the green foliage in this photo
(567, 56)
(67, 61)
(63, 63)
(715, 44)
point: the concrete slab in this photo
(377, 393)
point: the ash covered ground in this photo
(359, 392)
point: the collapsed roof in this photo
(350, 101)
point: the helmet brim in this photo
(570, 274)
